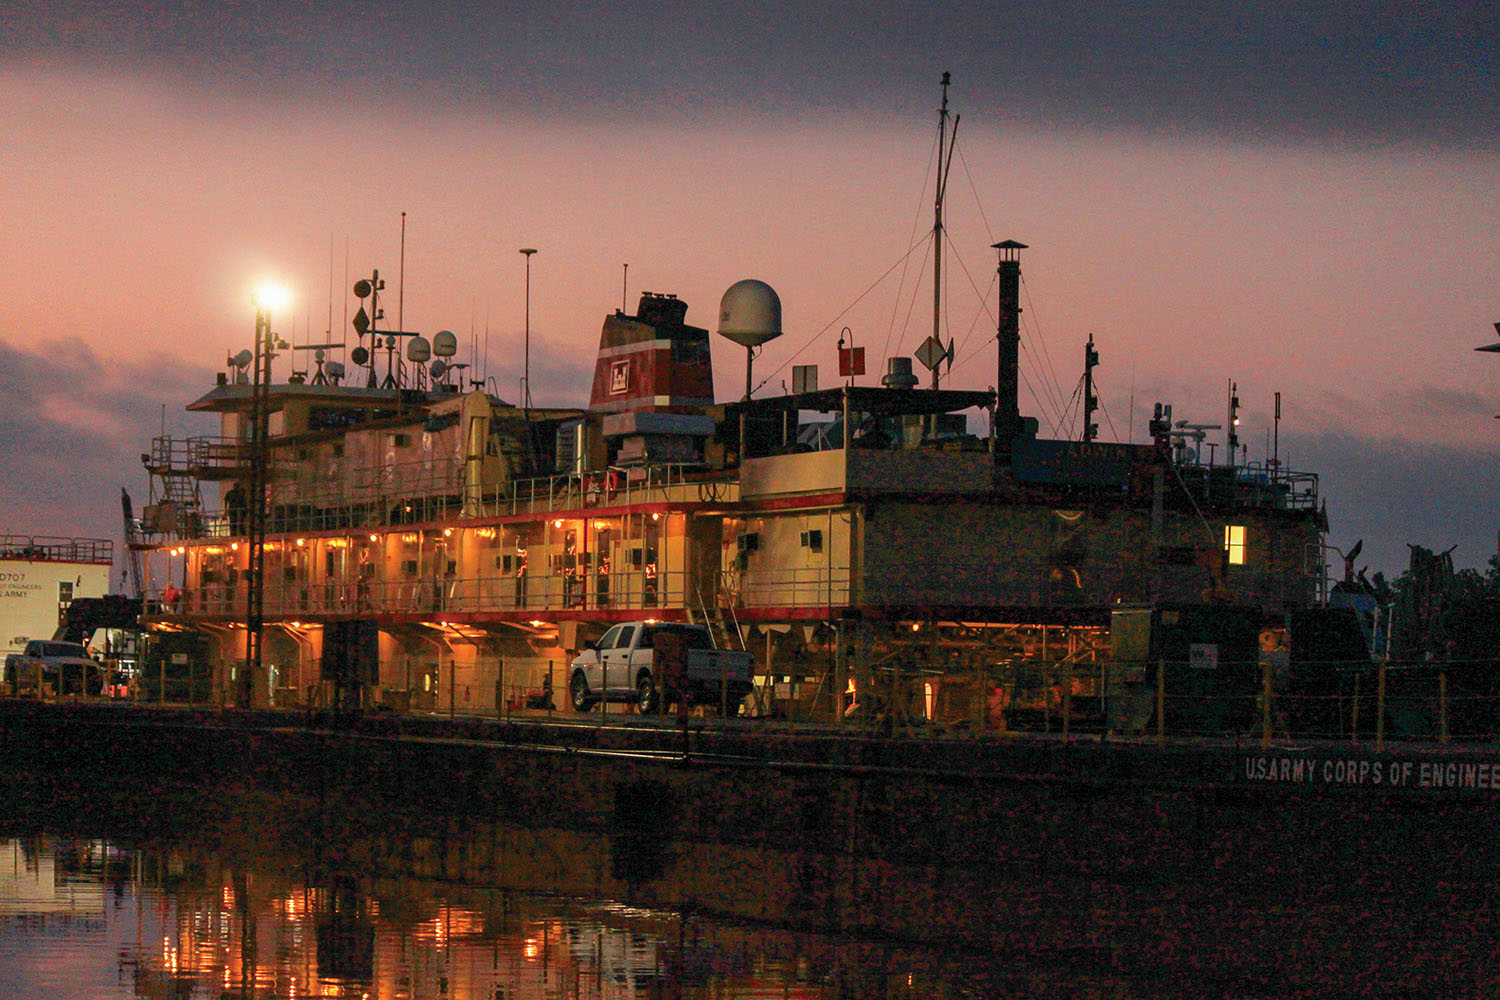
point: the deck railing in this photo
(427, 492)
(57, 549)
(1372, 705)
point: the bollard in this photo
(1265, 709)
(1104, 699)
(1380, 707)
(1046, 699)
(1442, 708)
(1354, 722)
(1161, 702)
(1067, 701)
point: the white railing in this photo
(813, 586)
(418, 493)
(541, 592)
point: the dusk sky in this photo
(1304, 198)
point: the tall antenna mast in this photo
(1090, 399)
(526, 396)
(944, 163)
(401, 280)
(329, 332)
(1276, 441)
(345, 327)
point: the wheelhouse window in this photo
(1234, 543)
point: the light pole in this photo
(265, 299)
(526, 374)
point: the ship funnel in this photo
(1008, 336)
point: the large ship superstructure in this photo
(920, 553)
(885, 551)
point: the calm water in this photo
(244, 894)
(95, 919)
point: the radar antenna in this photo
(321, 376)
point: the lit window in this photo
(1234, 543)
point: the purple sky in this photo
(1299, 197)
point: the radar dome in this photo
(444, 344)
(750, 313)
(417, 349)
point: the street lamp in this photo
(270, 297)
(266, 298)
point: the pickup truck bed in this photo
(623, 666)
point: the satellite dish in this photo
(444, 344)
(438, 367)
(241, 359)
(335, 370)
(418, 350)
(359, 355)
(750, 313)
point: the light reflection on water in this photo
(120, 892)
(90, 919)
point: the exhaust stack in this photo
(1008, 334)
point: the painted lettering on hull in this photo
(1365, 772)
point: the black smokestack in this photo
(1008, 334)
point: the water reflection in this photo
(90, 918)
(238, 892)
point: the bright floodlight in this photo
(271, 297)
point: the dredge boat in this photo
(885, 552)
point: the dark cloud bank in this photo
(1423, 73)
(74, 426)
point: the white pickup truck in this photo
(64, 667)
(622, 666)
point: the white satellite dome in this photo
(444, 344)
(750, 313)
(418, 350)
